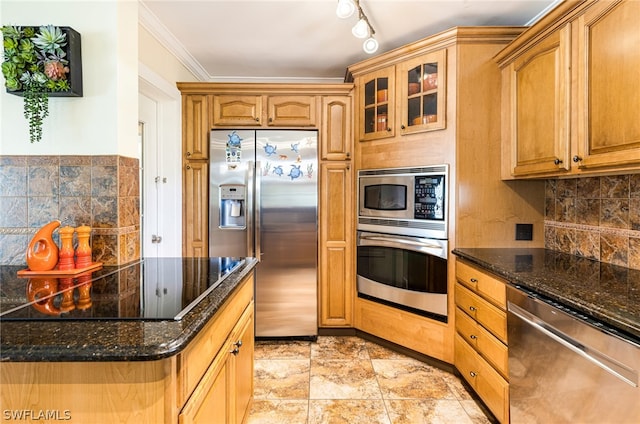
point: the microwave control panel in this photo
(429, 197)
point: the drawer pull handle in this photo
(236, 349)
(472, 308)
(473, 280)
(473, 374)
(473, 337)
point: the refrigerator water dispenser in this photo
(232, 206)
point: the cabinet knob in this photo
(472, 308)
(238, 343)
(473, 337)
(557, 161)
(235, 351)
(270, 119)
(188, 154)
(577, 158)
(402, 127)
(188, 166)
(348, 154)
(257, 119)
(473, 374)
(473, 280)
(388, 129)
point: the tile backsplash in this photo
(595, 217)
(100, 191)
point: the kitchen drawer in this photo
(491, 318)
(488, 384)
(482, 283)
(489, 347)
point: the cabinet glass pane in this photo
(381, 121)
(369, 120)
(370, 93)
(376, 98)
(422, 88)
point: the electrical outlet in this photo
(524, 231)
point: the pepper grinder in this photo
(83, 251)
(65, 256)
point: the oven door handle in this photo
(432, 247)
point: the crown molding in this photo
(152, 24)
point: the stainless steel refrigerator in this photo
(263, 202)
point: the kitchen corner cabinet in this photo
(571, 92)
(404, 98)
(480, 344)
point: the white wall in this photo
(104, 120)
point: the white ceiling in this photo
(304, 40)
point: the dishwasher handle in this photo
(613, 367)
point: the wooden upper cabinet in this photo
(232, 110)
(571, 92)
(537, 103)
(336, 138)
(195, 128)
(421, 93)
(287, 111)
(376, 104)
(608, 93)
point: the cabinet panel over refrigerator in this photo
(263, 203)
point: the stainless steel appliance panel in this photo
(407, 272)
(567, 368)
(279, 169)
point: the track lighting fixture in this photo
(362, 28)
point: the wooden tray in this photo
(59, 273)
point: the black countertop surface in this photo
(124, 321)
(605, 292)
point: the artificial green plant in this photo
(34, 63)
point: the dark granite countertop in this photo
(112, 338)
(608, 293)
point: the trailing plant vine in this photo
(34, 63)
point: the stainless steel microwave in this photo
(404, 201)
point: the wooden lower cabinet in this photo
(224, 393)
(490, 386)
(480, 345)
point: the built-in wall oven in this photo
(402, 246)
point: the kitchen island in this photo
(120, 355)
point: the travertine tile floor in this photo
(351, 380)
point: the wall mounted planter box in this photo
(74, 56)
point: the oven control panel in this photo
(429, 197)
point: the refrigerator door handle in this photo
(258, 181)
(250, 208)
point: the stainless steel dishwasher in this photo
(565, 367)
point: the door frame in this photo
(169, 134)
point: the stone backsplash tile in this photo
(99, 191)
(595, 217)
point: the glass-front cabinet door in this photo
(422, 83)
(377, 105)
